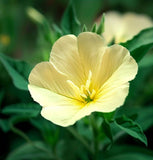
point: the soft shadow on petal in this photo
(91, 48)
(118, 65)
(46, 97)
(65, 57)
(45, 75)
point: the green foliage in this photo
(4, 125)
(131, 127)
(144, 115)
(108, 116)
(84, 29)
(49, 131)
(147, 61)
(126, 152)
(88, 11)
(1, 96)
(107, 130)
(31, 151)
(101, 26)
(41, 21)
(94, 28)
(18, 71)
(69, 22)
(29, 109)
(140, 44)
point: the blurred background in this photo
(19, 35)
(20, 38)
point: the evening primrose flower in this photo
(83, 75)
(122, 27)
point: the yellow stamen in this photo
(84, 92)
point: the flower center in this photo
(85, 93)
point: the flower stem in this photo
(24, 136)
(95, 134)
(80, 138)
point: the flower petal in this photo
(56, 108)
(121, 28)
(45, 75)
(117, 65)
(61, 115)
(65, 57)
(113, 27)
(110, 98)
(91, 48)
(45, 97)
(117, 68)
(133, 24)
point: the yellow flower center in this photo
(85, 93)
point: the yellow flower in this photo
(82, 76)
(4, 39)
(121, 28)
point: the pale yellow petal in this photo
(122, 27)
(113, 26)
(45, 97)
(111, 98)
(91, 47)
(45, 75)
(62, 115)
(118, 68)
(118, 65)
(65, 57)
(56, 108)
(133, 24)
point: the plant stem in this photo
(24, 136)
(95, 132)
(80, 138)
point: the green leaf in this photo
(1, 97)
(18, 70)
(84, 29)
(94, 28)
(131, 127)
(57, 30)
(107, 130)
(108, 116)
(145, 117)
(125, 152)
(28, 151)
(42, 22)
(49, 131)
(30, 109)
(101, 26)
(69, 22)
(84, 129)
(138, 53)
(147, 61)
(140, 44)
(4, 125)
